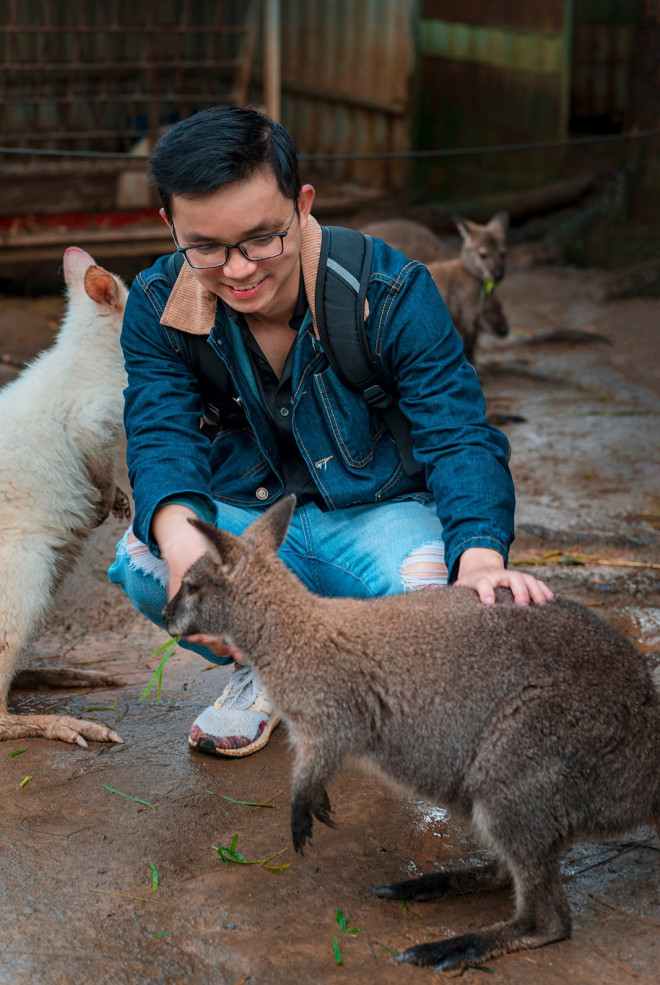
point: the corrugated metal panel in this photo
(498, 74)
(500, 47)
(346, 75)
(527, 15)
(602, 54)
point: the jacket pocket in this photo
(237, 459)
(355, 429)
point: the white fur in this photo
(60, 428)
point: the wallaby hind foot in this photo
(542, 916)
(64, 677)
(62, 727)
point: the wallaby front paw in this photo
(302, 825)
(121, 507)
(323, 810)
(60, 727)
(302, 821)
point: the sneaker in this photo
(240, 721)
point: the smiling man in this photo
(231, 403)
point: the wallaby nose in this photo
(499, 273)
(502, 328)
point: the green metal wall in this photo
(491, 74)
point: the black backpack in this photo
(340, 294)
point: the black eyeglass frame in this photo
(236, 246)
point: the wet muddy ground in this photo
(576, 386)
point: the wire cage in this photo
(85, 89)
(104, 75)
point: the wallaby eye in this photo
(191, 586)
(483, 255)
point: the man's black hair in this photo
(219, 145)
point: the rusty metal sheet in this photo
(347, 71)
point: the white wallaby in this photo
(538, 723)
(60, 435)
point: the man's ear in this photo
(163, 214)
(305, 202)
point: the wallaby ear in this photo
(500, 220)
(466, 228)
(225, 548)
(101, 286)
(271, 527)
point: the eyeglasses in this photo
(216, 254)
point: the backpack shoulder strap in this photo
(340, 295)
(173, 268)
(215, 385)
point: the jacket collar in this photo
(191, 307)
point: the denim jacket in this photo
(347, 446)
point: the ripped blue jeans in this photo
(360, 552)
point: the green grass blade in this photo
(24, 781)
(103, 707)
(229, 854)
(16, 752)
(335, 946)
(154, 877)
(167, 649)
(246, 803)
(128, 796)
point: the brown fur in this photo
(539, 723)
(461, 280)
(413, 239)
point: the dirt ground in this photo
(576, 386)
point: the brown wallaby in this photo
(60, 434)
(538, 723)
(483, 252)
(467, 283)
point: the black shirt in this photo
(276, 398)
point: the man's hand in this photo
(483, 570)
(179, 542)
(181, 545)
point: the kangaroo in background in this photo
(60, 434)
(467, 283)
(538, 723)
